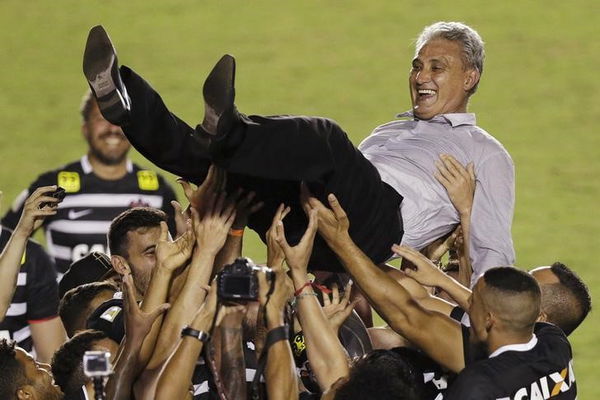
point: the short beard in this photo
(107, 160)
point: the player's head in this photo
(132, 239)
(107, 143)
(80, 302)
(446, 69)
(21, 377)
(67, 362)
(566, 298)
(381, 374)
(505, 301)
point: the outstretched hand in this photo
(425, 272)
(172, 254)
(337, 309)
(244, 208)
(275, 254)
(458, 181)
(212, 227)
(199, 197)
(333, 223)
(137, 322)
(297, 256)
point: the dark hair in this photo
(381, 374)
(130, 220)
(568, 302)
(67, 362)
(510, 279)
(74, 308)
(12, 373)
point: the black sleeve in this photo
(12, 216)
(457, 314)
(42, 288)
(471, 384)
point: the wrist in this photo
(21, 232)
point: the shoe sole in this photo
(99, 60)
(218, 92)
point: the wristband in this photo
(200, 335)
(275, 335)
(236, 232)
(301, 288)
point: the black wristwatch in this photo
(200, 335)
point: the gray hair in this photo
(473, 52)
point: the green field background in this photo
(347, 60)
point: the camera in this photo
(238, 281)
(59, 194)
(97, 364)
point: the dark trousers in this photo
(271, 156)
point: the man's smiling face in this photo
(439, 82)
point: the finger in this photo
(41, 190)
(188, 191)
(176, 207)
(444, 171)
(471, 171)
(164, 231)
(305, 195)
(311, 230)
(441, 179)
(285, 212)
(256, 206)
(335, 294)
(456, 166)
(336, 207)
(449, 162)
(158, 311)
(280, 237)
(347, 293)
(129, 293)
(326, 299)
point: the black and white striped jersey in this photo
(36, 295)
(84, 216)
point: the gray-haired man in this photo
(387, 187)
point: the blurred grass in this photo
(347, 60)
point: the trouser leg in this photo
(159, 135)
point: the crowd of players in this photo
(161, 305)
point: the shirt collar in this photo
(516, 347)
(454, 119)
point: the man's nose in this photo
(423, 76)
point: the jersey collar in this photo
(516, 347)
(86, 166)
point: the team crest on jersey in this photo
(147, 180)
(70, 181)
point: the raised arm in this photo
(460, 182)
(324, 350)
(10, 258)
(435, 333)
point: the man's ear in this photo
(490, 321)
(120, 265)
(25, 392)
(471, 78)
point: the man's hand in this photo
(337, 309)
(425, 272)
(244, 208)
(203, 320)
(275, 255)
(214, 183)
(137, 322)
(333, 223)
(181, 217)
(436, 250)
(283, 290)
(172, 254)
(297, 256)
(212, 228)
(458, 181)
(33, 216)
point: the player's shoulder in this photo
(148, 179)
(50, 177)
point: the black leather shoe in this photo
(220, 113)
(101, 69)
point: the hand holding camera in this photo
(40, 204)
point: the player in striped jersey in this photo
(29, 292)
(99, 186)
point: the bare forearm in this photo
(233, 366)
(10, 263)
(127, 368)
(465, 269)
(231, 250)
(280, 372)
(176, 377)
(327, 357)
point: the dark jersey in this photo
(36, 295)
(81, 223)
(545, 371)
